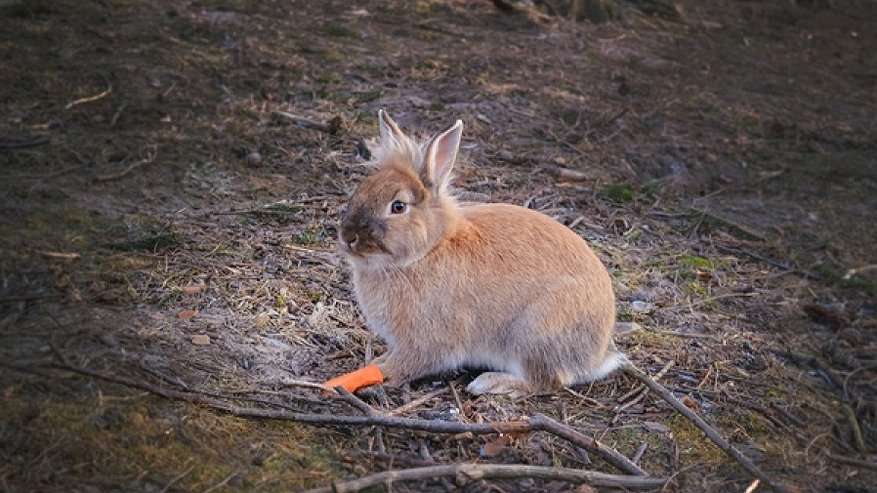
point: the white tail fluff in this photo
(614, 359)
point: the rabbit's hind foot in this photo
(500, 383)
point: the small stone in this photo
(201, 340)
(641, 307)
(253, 158)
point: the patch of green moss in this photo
(692, 443)
(328, 78)
(619, 192)
(651, 339)
(367, 96)
(311, 235)
(624, 315)
(696, 262)
(332, 55)
(119, 438)
(341, 31)
(695, 288)
(777, 391)
(835, 276)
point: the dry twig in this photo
(90, 99)
(537, 422)
(150, 157)
(499, 471)
(708, 430)
(852, 462)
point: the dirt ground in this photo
(173, 174)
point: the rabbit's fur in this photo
(486, 285)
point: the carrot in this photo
(355, 380)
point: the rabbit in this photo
(482, 285)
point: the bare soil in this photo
(175, 170)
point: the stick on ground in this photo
(496, 471)
(537, 422)
(708, 430)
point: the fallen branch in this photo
(708, 430)
(537, 422)
(496, 471)
(540, 422)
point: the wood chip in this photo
(187, 314)
(194, 289)
(201, 340)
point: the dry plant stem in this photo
(852, 462)
(858, 439)
(305, 384)
(124, 172)
(640, 392)
(90, 99)
(536, 423)
(708, 430)
(496, 471)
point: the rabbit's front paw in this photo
(495, 382)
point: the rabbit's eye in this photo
(397, 207)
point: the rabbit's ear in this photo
(441, 153)
(391, 135)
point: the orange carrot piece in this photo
(355, 380)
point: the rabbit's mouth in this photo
(365, 248)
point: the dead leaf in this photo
(494, 447)
(690, 403)
(201, 340)
(187, 314)
(193, 289)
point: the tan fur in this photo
(488, 285)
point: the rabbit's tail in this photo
(614, 359)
